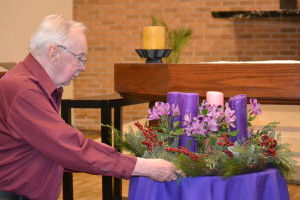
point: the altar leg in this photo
(67, 177)
(107, 190)
(118, 121)
(68, 186)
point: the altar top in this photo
(270, 83)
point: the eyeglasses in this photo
(80, 59)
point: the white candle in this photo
(215, 98)
(154, 37)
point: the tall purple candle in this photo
(189, 104)
(239, 104)
(174, 98)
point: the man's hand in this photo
(156, 169)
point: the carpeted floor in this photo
(89, 187)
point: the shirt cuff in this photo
(125, 166)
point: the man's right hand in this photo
(156, 169)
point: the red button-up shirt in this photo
(36, 144)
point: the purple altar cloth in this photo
(264, 185)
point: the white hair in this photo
(54, 29)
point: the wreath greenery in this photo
(216, 154)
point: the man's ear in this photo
(53, 53)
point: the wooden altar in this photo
(270, 83)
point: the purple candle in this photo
(239, 104)
(174, 98)
(189, 104)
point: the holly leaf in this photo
(178, 132)
(176, 125)
(233, 133)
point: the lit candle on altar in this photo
(174, 98)
(239, 104)
(188, 105)
(215, 98)
(154, 37)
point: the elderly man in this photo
(36, 144)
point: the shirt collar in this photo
(40, 74)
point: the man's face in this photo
(71, 59)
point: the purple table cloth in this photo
(264, 185)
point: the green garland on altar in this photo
(216, 154)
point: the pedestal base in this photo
(153, 55)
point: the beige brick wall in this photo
(115, 30)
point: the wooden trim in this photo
(272, 83)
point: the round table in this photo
(264, 185)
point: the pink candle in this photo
(215, 98)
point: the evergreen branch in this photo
(130, 142)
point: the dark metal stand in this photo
(288, 4)
(111, 188)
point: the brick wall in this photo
(115, 28)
